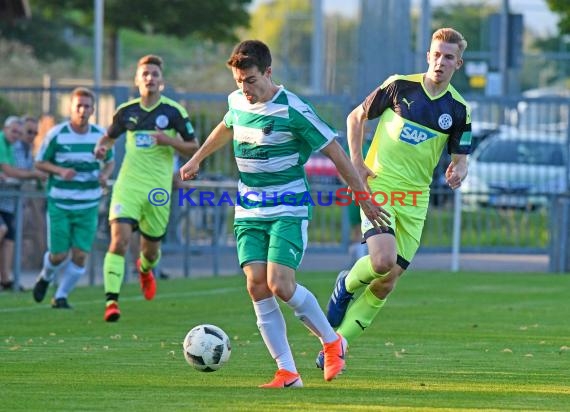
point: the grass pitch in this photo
(443, 341)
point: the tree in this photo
(562, 8)
(471, 19)
(216, 20)
(286, 27)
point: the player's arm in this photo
(456, 171)
(65, 173)
(185, 147)
(185, 142)
(376, 214)
(17, 173)
(355, 123)
(104, 144)
(106, 171)
(107, 141)
(217, 139)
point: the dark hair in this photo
(151, 59)
(250, 53)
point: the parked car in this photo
(516, 170)
(321, 170)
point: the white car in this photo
(516, 169)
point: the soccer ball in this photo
(207, 348)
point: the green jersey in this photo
(66, 148)
(147, 165)
(413, 130)
(6, 151)
(272, 141)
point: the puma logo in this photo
(360, 324)
(294, 253)
(115, 274)
(409, 104)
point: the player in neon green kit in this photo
(155, 127)
(420, 115)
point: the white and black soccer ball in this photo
(207, 348)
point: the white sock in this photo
(49, 270)
(70, 278)
(273, 330)
(308, 311)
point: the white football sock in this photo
(273, 330)
(50, 271)
(71, 276)
(308, 311)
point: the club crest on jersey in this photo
(445, 121)
(161, 121)
(268, 129)
(414, 135)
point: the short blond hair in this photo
(449, 35)
(83, 92)
(151, 59)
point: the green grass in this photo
(443, 341)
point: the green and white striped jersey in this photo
(272, 141)
(66, 148)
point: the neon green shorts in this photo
(408, 213)
(280, 241)
(71, 228)
(135, 205)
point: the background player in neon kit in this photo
(155, 128)
(419, 115)
(274, 132)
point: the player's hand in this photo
(378, 216)
(190, 170)
(100, 151)
(365, 173)
(103, 180)
(161, 138)
(67, 173)
(41, 176)
(454, 175)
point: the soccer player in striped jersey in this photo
(274, 132)
(75, 186)
(420, 116)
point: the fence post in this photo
(456, 238)
(17, 263)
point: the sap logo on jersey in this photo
(143, 140)
(414, 135)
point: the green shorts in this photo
(280, 241)
(135, 205)
(407, 219)
(71, 228)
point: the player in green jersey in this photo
(273, 133)
(420, 115)
(74, 192)
(155, 127)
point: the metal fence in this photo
(507, 221)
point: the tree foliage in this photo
(468, 18)
(52, 20)
(286, 27)
(562, 8)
